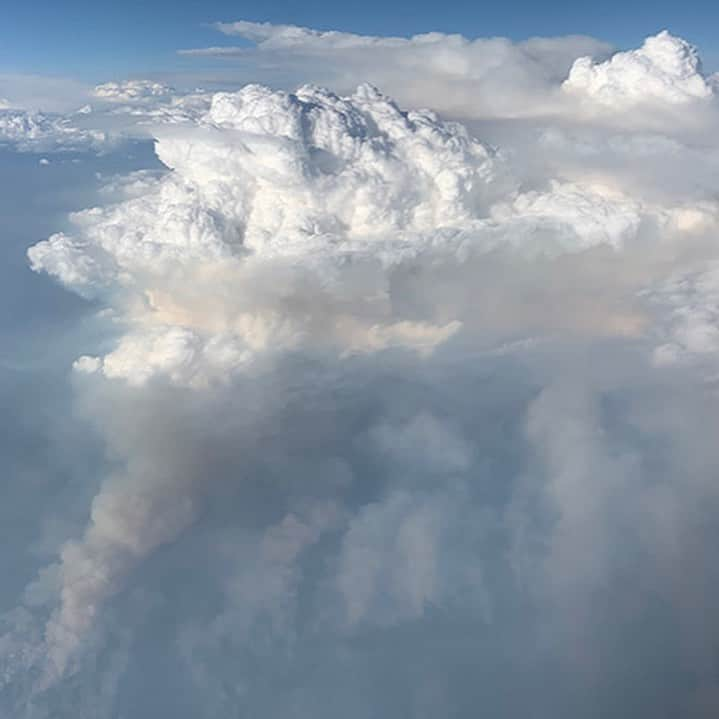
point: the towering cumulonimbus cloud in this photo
(382, 402)
(315, 189)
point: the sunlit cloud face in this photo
(399, 420)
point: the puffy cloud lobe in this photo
(270, 175)
(595, 216)
(321, 191)
(666, 70)
(690, 306)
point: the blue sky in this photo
(94, 40)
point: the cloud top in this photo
(468, 77)
(665, 70)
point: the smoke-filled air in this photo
(379, 384)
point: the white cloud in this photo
(400, 400)
(690, 309)
(288, 223)
(309, 176)
(488, 77)
(666, 70)
(325, 191)
(38, 132)
(132, 91)
(569, 79)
